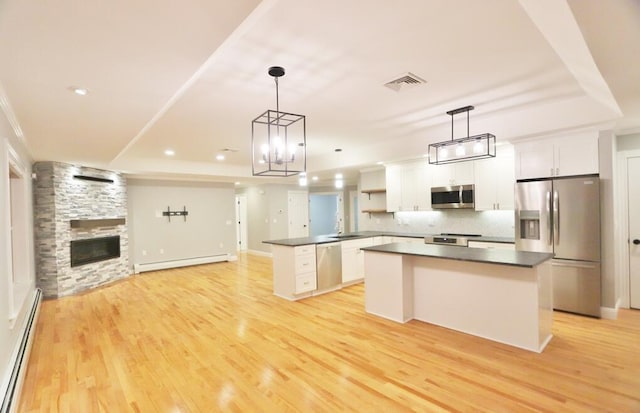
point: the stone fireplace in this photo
(86, 251)
(79, 211)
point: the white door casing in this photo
(241, 223)
(298, 211)
(633, 177)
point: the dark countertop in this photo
(491, 256)
(323, 239)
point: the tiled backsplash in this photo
(487, 223)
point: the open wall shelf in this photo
(373, 191)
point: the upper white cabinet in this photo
(408, 187)
(495, 180)
(458, 173)
(574, 154)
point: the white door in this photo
(241, 222)
(298, 211)
(354, 209)
(633, 177)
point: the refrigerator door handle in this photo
(549, 208)
(556, 217)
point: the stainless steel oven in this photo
(453, 197)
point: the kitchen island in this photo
(500, 295)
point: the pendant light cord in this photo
(277, 109)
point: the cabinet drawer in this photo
(305, 263)
(305, 282)
(305, 249)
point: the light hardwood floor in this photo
(214, 338)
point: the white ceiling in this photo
(191, 76)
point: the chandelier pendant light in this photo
(462, 149)
(278, 139)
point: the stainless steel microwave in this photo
(453, 197)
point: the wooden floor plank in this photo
(215, 338)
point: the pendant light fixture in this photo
(339, 178)
(278, 139)
(462, 149)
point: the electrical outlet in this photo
(144, 253)
(221, 245)
(161, 250)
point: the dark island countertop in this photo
(490, 256)
(323, 239)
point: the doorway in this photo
(18, 211)
(241, 223)
(326, 213)
(298, 212)
(353, 211)
(633, 193)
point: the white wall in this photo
(11, 324)
(208, 230)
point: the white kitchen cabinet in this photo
(393, 174)
(492, 245)
(353, 259)
(294, 271)
(387, 239)
(408, 187)
(495, 180)
(458, 173)
(567, 155)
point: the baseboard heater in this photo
(163, 265)
(12, 395)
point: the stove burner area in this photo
(90, 250)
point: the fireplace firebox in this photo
(90, 250)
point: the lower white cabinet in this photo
(353, 259)
(490, 245)
(294, 271)
(387, 239)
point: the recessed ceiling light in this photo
(236, 183)
(220, 157)
(80, 91)
(379, 163)
(314, 178)
(169, 152)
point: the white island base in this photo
(504, 303)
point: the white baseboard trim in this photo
(154, 266)
(260, 253)
(609, 313)
(20, 357)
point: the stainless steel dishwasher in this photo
(329, 266)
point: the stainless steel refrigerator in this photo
(562, 216)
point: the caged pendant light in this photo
(278, 139)
(462, 149)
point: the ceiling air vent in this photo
(408, 80)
